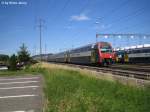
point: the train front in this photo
(105, 53)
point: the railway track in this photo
(133, 73)
(138, 68)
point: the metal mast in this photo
(40, 26)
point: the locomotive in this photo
(99, 53)
(121, 56)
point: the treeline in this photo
(3, 59)
(17, 61)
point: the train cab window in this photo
(105, 47)
(106, 50)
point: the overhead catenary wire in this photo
(127, 17)
(122, 4)
(59, 14)
(133, 14)
(132, 26)
(116, 9)
(109, 13)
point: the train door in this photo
(68, 56)
(94, 54)
(65, 57)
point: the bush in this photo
(13, 62)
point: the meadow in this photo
(75, 91)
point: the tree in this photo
(4, 59)
(13, 62)
(23, 54)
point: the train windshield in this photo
(106, 48)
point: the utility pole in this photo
(96, 37)
(40, 26)
(33, 52)
(97, 23)
(45, 48)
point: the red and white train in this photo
(99, 53)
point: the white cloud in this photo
(81, 17)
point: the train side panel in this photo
(81, 57)
(139, 58)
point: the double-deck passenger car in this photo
(139, 55)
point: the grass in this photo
(68, 90)
(74, 91)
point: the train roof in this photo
(140, 48)
(88, 45)
(145, 46)
(91, 44)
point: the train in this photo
(136, 54)
(100, 53)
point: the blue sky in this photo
(70, 23)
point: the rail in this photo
(115, 71)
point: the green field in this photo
(73, 91)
